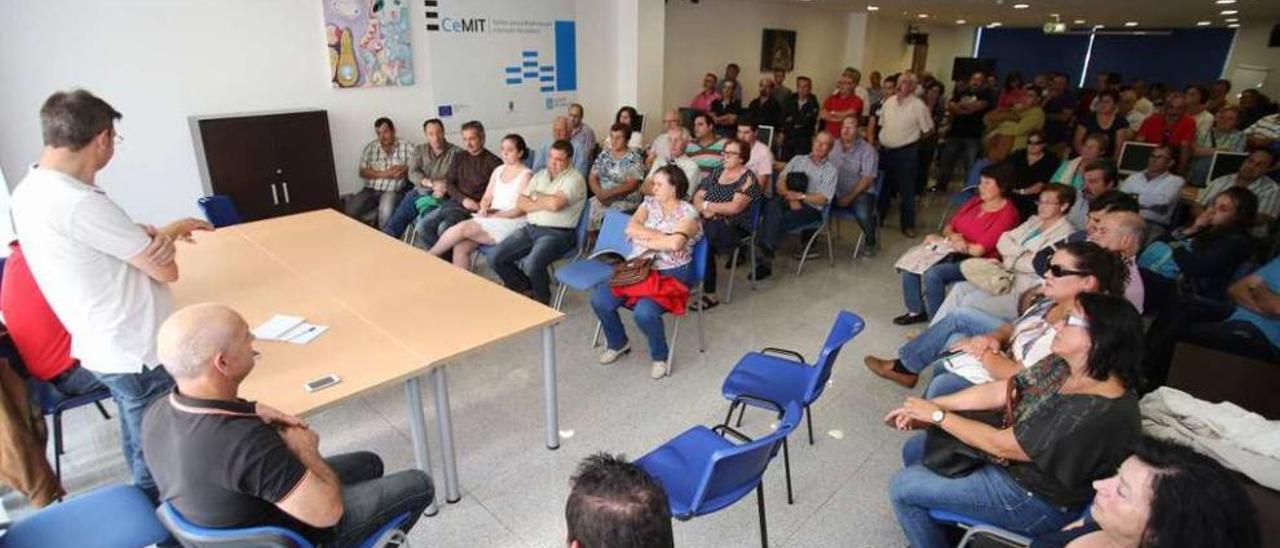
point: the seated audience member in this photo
(552, 203)
(1107, 120)
(1072, 171)
(1204, 257)
(1171, 126)
(1033, 168)
(677, 156)
(42, 341)
(1100, 177)
(968, 105)
(1253, 176)
(1218, 95)
(430, 164)
(616, 504)
(628, 116)
(724, 199)
(726, 110)
(498, 216)
(560, 131)
(1163, 495)
(780, 90)
(840, 105)
(1264, 133)
(581, 137)
(790, 209)
(765, 109)
(1158, 189)
(1007, 130)
(1060, 110)
(706, 147)
(1073, 421)
(666, 225)
(615, 177)
(1129, 108)
(1018, 249)
(856, 171)
(971, 232)
(1223, 136)
(1254, 106)
(466, 180)
(702, 101)
(1012, 91)
(1117, 228)
(225, 462)
(384, 166)
(761, 159)
(660, 148)
(1198, 107)
(731, 72)
(1006, 347)
(1248, 325)
(799, 120)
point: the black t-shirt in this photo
(1092, 125)
(220, 465)
(765, 112)
(1026, 174)
(969, 126)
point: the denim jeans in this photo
(133, 392)
(75, 382)
(404, 214)
(861, 207)
(779, 218)
(370, 500)
(956, 152)
(901, 165)
(963, 323)
(648, 315)
(539, 246)
(969, 295)
(434, 223)
(368, 199)
(935, 281)
(988, 494)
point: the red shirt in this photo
(836, 103)
(42, 341)
(1155, 130)
(981, 227)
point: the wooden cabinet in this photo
(269, 164)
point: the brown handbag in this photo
(631, 272)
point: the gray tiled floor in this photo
(514, 490)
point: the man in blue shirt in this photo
(856, 169)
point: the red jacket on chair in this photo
(668, 292)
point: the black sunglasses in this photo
(1059, 271)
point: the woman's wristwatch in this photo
(938, 416)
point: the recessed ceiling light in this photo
(1078, 21)
(1225, 2)
(873, 8)
(1232, 19)
(1229, 12)
(1203, 23)
(1096, 27)
(1021, 6)
(1130, 23)
(994, 25)
(923, 16)
(961, 21)
(1233, 26)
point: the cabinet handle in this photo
(286, 192)
(275, 198)
(279, 171)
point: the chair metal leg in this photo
(702, 336)
(764, 530)
(671, 348)
(742, 410)
(786, 462)
(808, 417)
(560, 296)
(831, 250)
(103, 410)
(732, 406)
(57, 446)
(857, 247)
(753, 260)
(733, 260)
(595, 337)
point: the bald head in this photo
(196, 337)
(1122, 231)
(560, 128)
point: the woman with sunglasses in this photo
(1069, 420)
(1005, 348)
(1033, 167)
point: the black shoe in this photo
(909, 319)
(761, 272)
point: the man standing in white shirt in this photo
(904, 119)
(1157, 189)
(104, 276)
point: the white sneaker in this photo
(659, 370)
(610, 355)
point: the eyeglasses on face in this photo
(1059, 271)
(1077, 321)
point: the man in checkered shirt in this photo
(384, 166)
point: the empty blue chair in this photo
(788, 378)
(838, 213)
(220, 210)
(585, 274)
(198, 536)
(703, 471)
(120, 515)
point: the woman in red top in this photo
(972, 232)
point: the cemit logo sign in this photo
(450, 24)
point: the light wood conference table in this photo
(394, 313)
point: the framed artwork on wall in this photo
(778, 50)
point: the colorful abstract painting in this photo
(369, 42)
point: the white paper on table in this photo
(304, 333)
(276, 327)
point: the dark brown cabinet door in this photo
(239, 153)
(304, 155)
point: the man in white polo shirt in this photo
(904, 119)
(1158, 190)
(104, 275)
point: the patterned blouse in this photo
(614, 171)
(659, 220)
(718, 193)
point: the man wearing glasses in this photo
(1157, 189)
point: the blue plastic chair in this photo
(703, 471)
(220, 210)
(757, 208)
(53, 403)
(194, 535)
(974, 529)
(969, 191)
(759, 379)
(821, 227)
(120, 515)
(585, 274)
(838, 213)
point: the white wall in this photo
(160, 61)
(888, 52)
(1251, 49)
(706, 36)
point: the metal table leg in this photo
(445, 422)
(549, 386)
(418, 428)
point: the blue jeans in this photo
(988, 494)
(779, 218)
(648, 315)
(404, 214)
(133, 392)
(538, 246)
(935, 281)
(75, 382)
(944, 383)
(901, 166)
(963, 323)
(861, 208)
(370, 500)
